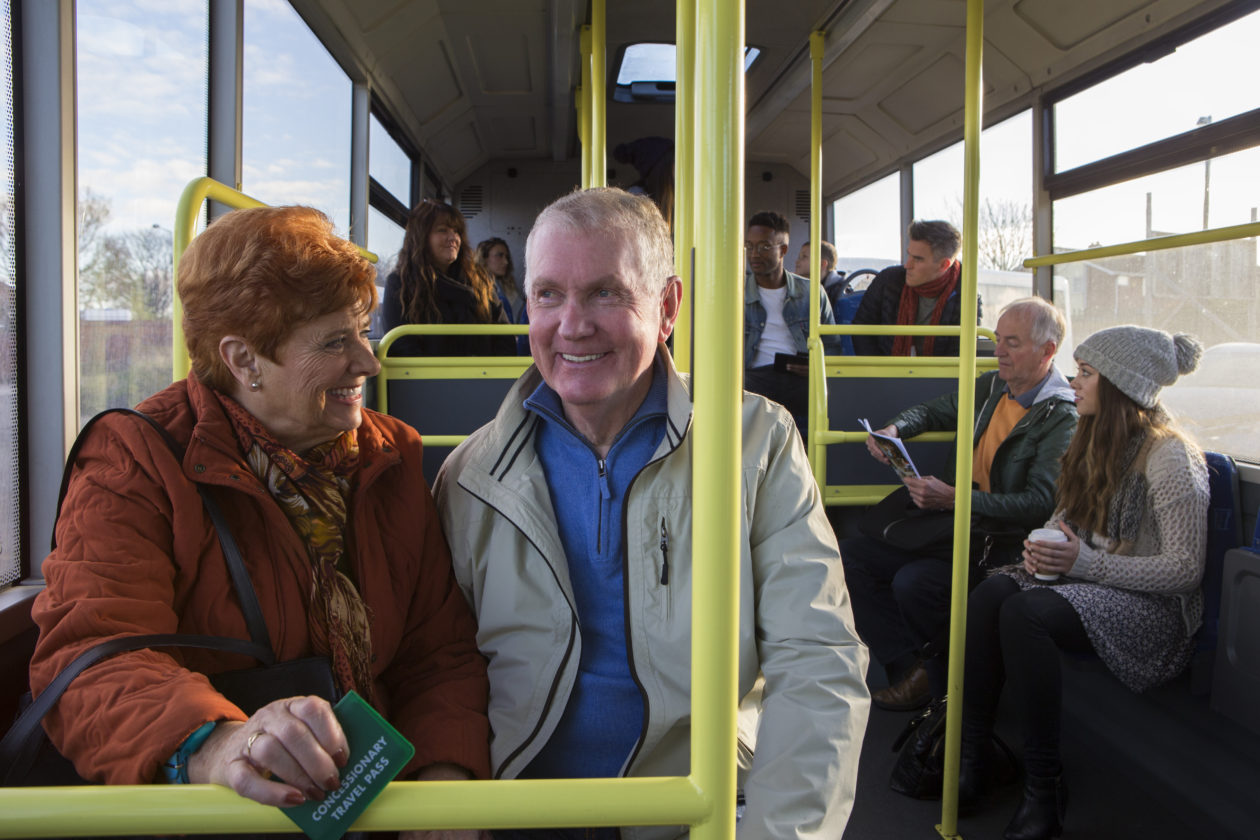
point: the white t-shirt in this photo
(775, 338)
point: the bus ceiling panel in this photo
(466, 81)
(893, 72)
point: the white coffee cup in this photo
(1047, 535)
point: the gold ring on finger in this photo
(249, 744)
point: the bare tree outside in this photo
(1005, 239)
(125, 294)
(130, 270)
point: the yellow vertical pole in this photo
(684, 172)
(973, 108)
(717, 436)
(597, 98)
(579, 103)
(817, 380)
(584, 108)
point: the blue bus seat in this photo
(1224, 532)
(445, 407)
(1255, 536)
(844, 307)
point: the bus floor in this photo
(1104, 802)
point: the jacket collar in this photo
(796, 287)
(510, 435)
(212, 447)
(1056, 386)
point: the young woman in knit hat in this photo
(1132, 503)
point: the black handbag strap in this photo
(19, 745)
(241, 582)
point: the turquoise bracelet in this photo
(176, 767)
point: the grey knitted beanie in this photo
(1139, 360)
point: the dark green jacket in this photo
(1026, 464)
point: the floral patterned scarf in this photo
(312, 491)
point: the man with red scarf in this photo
(922, 292)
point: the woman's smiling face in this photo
(444, 241)
(314, 390)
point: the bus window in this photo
(296, 123)
(1208, 78)
(141, 78)
(10, 558)
(868, 226)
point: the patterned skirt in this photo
(1140, 636)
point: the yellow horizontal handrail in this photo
(430, 367)
(820, 433)
(189, 809)
(186, 212)
(860, 437)
(900, 329)
(909, 362)
(446, 329)
(1158, 243)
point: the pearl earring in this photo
(254, 386)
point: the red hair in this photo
(261, 272)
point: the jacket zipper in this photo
(564, 662)
(664, 554)
(604, 495)
(625, 573)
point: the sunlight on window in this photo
(385, 238)
(868, 226)
(141, 137)
(10, 541)
(1216, 193)
(1005, 212)
(297, 115)
(658, 63)
(388, 163)
(1210, 77)
(1208, 291)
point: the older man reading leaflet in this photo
(569, 520)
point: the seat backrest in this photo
(1224, 533)
(845, 307)
(1255, 536)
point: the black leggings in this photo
(1016, 635)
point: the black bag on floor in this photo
(27, 757)
(920, 769)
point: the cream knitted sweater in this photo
(1169, 554)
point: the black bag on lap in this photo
(899, 522)
(27, 757)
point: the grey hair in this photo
(609, 212)
(942, 237)
(1047, 322)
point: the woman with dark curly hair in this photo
(1119, 579)
(437, 281)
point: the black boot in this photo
(1040, 814)
(986, 764)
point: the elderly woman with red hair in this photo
(328, 506)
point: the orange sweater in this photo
(137, 554)
(1005, 416)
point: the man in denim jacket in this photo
(776, 317)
